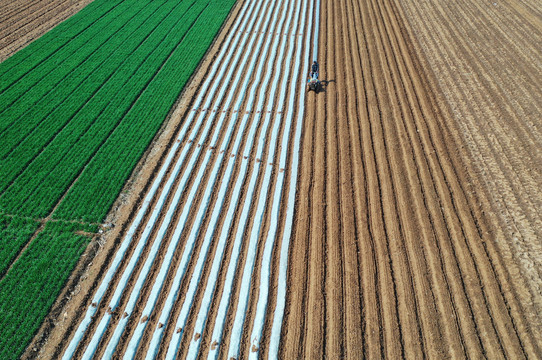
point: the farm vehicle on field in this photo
(313, 83)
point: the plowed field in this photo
(362, 221)
(22, 21)
(392, 254)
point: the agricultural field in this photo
(32, 283)
(170, 189)
(78, 108)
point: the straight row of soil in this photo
(485, 58)
(23, 21)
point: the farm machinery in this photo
(313, 84)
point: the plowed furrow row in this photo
(9, 8)
(498, 125)
(486, 305)
(33, 11)
(405, 113)
(27, 20)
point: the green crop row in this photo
(55, 48)
(15, 232)
(36, 52)
(51, 143)
(30, 288)
(60, 93)
(75, 138)
(111, 166)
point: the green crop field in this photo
(78, 108)
(33, 282)
(15, 232)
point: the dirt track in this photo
(23, 21)
(400, 246)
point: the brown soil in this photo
(23, 21)
(395, 254)
(485, 61)
(417, 216)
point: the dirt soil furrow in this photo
(446, 290)
(24, 24)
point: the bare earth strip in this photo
(22, 22)
(417, 222)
